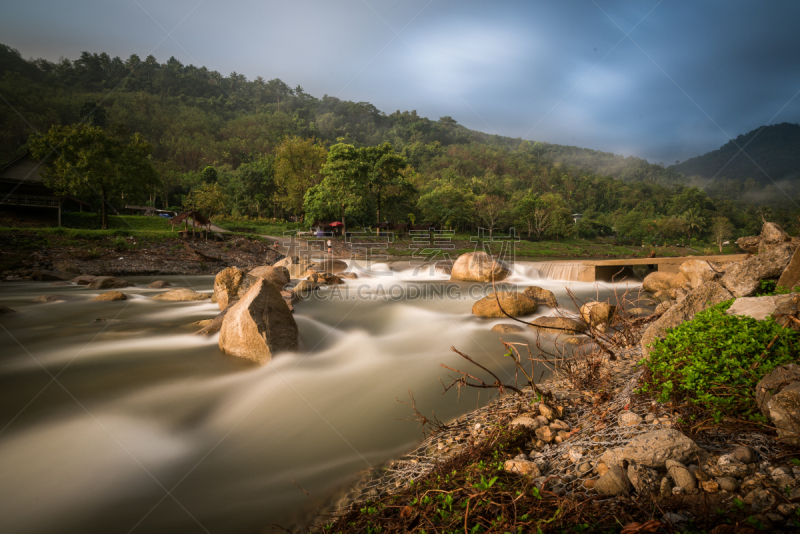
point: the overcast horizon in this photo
(685, 78)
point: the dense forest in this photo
(260, 148)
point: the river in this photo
(115, 418)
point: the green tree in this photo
(345, 184)
(253, 186)
(298, 167)
(694, 221)
(383, 171)
(82, 159)
(208, 199)
(492, 210)
(447, 205)
(722, 229)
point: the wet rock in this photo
(682, 477)
(729, 484)
(84, 279)
(745, 454)
(5, 309)
(700, 299)
(597, 313)
(61, 283)
(629, 419)
(507, 328)
(773, 383)
(329, 266)
(698, 272)
(643, 479)
(289, 261)
(613, 482)
(543, 297)
(653, 449)
(784, 412)
(259, 325)
(278, 276)
(522, 467)
(213, 325)
(107, 282)
(49, 298)
(304, 289)
(110, 296)
(478, 267)
(742, 279)
(181, 295)
(159, 284)
(349, 276)
(226, 286)
(558, 325)
(513, 303)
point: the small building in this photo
(577, 217)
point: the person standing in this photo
(330, 247)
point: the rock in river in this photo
(512, 302)
(478, 267)
(259, 325)
(107, 282)
(181, 294)
(110, 296)
(558, 325)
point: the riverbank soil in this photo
(23, 252)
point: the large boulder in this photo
(597, 313)
(278, 276)
(84, 279)
(742, 279)
(158, 284)
(758, 308)
(52, 276)
(181, 295)
(698, 272)
(558, 325)
(702, 298)
(773, 382)
(288, 260)
(259, 325)
(512, 302)
(109, 296)
(784, 411)
(543, 297)
(653, 449)
(478, 267)
(304, 289)
(226, 286)
(749, 244)
(663, 281)
(772, 235)
(329, 265)
(790, 277)
(107, 282)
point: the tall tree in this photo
(346, 181)
(82, 159)
(298, 167)
(492, 210)
(384, 168)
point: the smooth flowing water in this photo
(115, 418)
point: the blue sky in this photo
(661, 80)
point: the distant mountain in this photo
(776, 150)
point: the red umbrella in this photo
(336, 223)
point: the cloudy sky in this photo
(663, 80)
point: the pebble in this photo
(744, 454)
(665, 488)
(558, 424)
(682, 477)
(729, 484)
(709, 486)
(629, 419)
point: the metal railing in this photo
(31, 200)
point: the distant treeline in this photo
(258, 147)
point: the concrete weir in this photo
(605, 270)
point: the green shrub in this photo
(771, 287)
(715, 361)
(120, 245)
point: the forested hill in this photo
(194, 117)
(776, 148)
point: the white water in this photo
(546, 270)
(141, 407)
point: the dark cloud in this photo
(559, 72)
